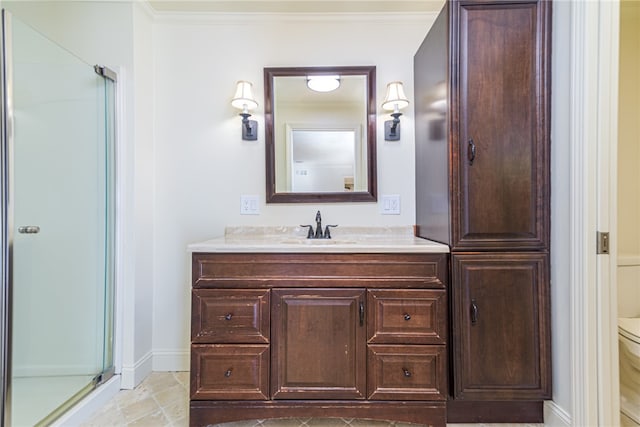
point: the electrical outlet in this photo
(249, 205)
(390, 204)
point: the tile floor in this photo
(162, 400)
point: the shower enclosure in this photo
(57, 300)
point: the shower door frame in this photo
(7, 224)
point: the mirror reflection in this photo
(322, 160)
(320, 134)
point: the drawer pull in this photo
(406, 372)
(228, 316)
(474, 312)
(407, 316)
(228, 373)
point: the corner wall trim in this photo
(132, 375)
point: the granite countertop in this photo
(343, 240)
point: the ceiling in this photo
(298, 6)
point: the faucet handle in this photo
(327, 234)
(310, 232)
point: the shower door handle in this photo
(29, 229)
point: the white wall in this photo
(203, 166)
(560, 210)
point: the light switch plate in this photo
(249, 205)
(390, 204)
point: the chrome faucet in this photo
(318, 234)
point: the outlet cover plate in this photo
(249, 205)
(390, 204)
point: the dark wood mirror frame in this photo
(352, 196)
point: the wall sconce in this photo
(394, 101)
(243, 100)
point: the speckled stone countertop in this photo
(343, 240)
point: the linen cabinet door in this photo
(318, 344)
(501, 333)
(501, 144)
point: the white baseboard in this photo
(555, 416)
(170, 360)
(90, 404)
(132, 375)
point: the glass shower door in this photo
(61, 226)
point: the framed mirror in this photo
(320, 141)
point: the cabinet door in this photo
(501, 333)
(501, 142)
(318, 344)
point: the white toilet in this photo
(629, 345)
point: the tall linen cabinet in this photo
(482, 96)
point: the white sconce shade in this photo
(243, 99)
(323, 83)
(396, 99)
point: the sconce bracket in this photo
(250, 131)
(249, 128)
(392, 128)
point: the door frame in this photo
(593, 184)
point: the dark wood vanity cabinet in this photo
(482, 99)
(500, 308)
(278, 335)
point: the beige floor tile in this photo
(176, 411)
(327, 422)
(170, 395)
(281, 422)
(162, 400)
(155, 419)
(142, 408)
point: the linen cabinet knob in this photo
(406, 372)
(227, 374)
(228, 316)
(407, 316)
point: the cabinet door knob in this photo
(227, 374)
(361, 313)
(406, 372)
(228, 316)
(471, 151)
(407, 316)
(474, 312)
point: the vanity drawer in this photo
(299, 270)
(409, 372)
(230, 316)
(229, 372)
(407, 316)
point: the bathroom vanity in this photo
(353, 327)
